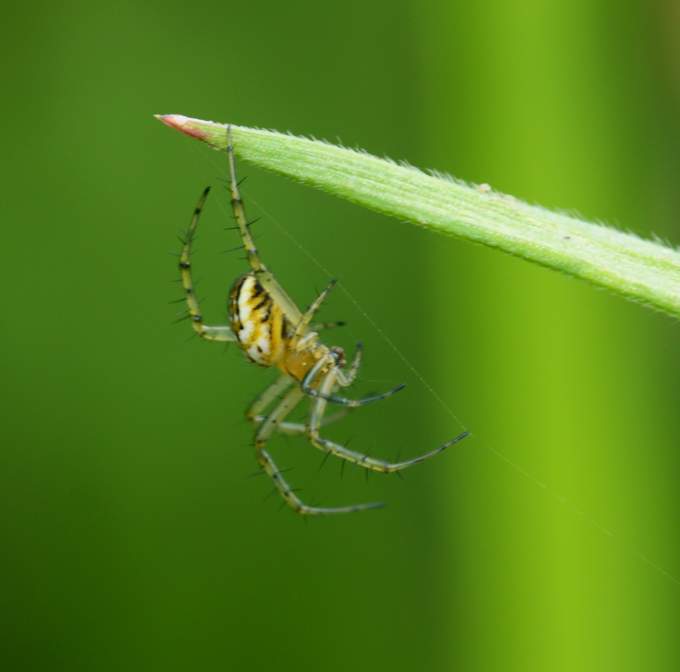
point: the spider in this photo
(273, 332)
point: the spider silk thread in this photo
(564, 501)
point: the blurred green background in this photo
(132, 537)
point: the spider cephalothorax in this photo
(273, 332)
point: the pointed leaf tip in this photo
(635, 268)
(185, 125)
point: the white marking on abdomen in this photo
(247, 331)
(244, 297)
(264, 342)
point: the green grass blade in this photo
(638, 269)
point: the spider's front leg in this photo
(307, 317)
(264, 433)
(220, 333)
(330, 360)
(373, 464)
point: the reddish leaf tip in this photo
(181, 123)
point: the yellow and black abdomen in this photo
(257, 322)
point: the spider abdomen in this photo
(257, 322)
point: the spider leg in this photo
(240, 211)
(298, 427)
(266, 397)
(257, 408)
(361, 460)
(302, 325)
(345, 380)
(320, 326)
(264, 276)
(264, 433)
(222, 333)
(308, 380)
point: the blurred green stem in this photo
(640, 270)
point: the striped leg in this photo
(240, 212)
(222, 333)
(295, 428)
(302, 325)
(264, 276)
(320, 326)
(309, 379)
(264, 433)
(360, 459)
(266, 398)
(257, 408)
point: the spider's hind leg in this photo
(222, 333)
(240, 212)
(264, 276)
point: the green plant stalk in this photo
(638, 269)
